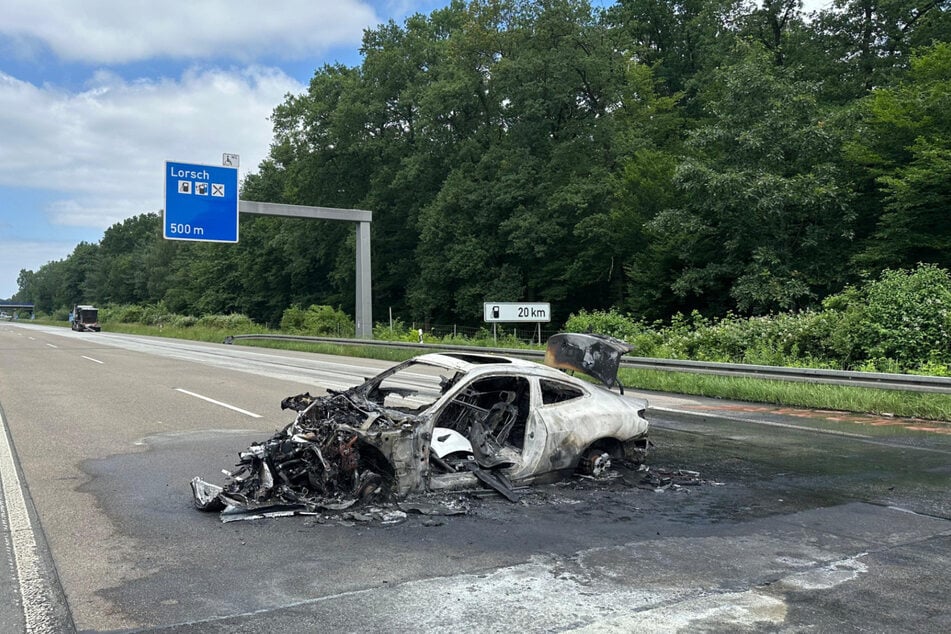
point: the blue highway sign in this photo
(201, 203)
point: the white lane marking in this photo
(211, 400)
(91, 359)
(32, 338)
(35, 593)
(51, 345)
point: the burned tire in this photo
(370, 488)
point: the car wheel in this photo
(594, 462)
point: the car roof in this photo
(485, 362)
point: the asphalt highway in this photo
(798, 520)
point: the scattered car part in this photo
(423, 507)
(205, 495)
(598, 356)
(449, 441)
(661, 479)
(495, 480)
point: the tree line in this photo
(654, 156)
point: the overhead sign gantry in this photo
(201, 204)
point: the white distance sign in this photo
(517, 311)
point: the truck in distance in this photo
(85, 318)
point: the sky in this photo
(95, 97)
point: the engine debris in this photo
(315, 463)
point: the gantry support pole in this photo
(364, 302)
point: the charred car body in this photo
(440, 422)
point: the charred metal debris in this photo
(315, 463)
(331, 459)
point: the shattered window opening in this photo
(477, 359)
(554, 392)
(500, 403)
(411, 390)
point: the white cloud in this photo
(816, 5)
(29, 255)
(105, 148)
(111, 32)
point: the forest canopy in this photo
(654, 156)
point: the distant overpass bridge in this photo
(13, 309)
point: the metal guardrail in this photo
(877, 380)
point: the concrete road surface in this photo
(798, 521)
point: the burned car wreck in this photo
(441, 422)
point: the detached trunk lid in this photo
(598, 356)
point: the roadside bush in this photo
(903, 317)
(503, 337)
(398, 331)
(932, 368)
(401, 332)
(61, 314)
(601, 322)
(784, 339)
(685, 337)
(323, 321)
(124, 314)
(909, 316)
(898, 323)
(235, 322)
(293, 319)
(157, 315)
(150, 315)
(644, 340)
(183, 321)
